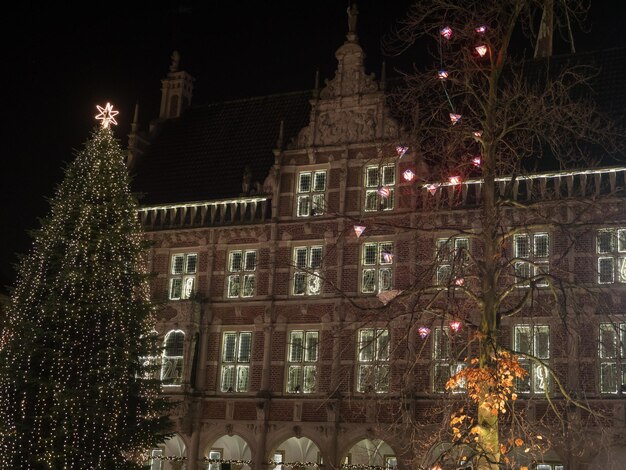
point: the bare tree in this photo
(484, 111)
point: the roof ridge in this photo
(253, 98)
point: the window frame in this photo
(241, 275)
(236, 364)
(617, 359)
(444, 361)
(379, 365)
(315, 197)
(185, 276)
(450, 261)
(615, 254)
(306, 363)
(378, 267)
(533, 369)
(310, 274)
(529, 266)
(174, 363)
(373, 201)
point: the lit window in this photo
(311, 193)
(377, 267)
(380, 184)
(236, 361)
(447, 351)
(373, 360)
(216, 456)
(451, 256)
(535, 249)
(302, 361)
(183, 275)
(241, 277)
(549, 466)
(172, 360)
(307, 261)
(533, 340)
(612, 352)
(611, 249)
(156, 461)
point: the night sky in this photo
(60, 61)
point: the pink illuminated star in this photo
(107, 115)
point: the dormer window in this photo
(311, 193)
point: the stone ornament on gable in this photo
(346, 126)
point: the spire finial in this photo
(353, 13)
(135, 123)
(316, 88)
(281, 130)
(175, 61)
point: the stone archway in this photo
(233, 450)
(170, 455)
(369, 452)
(297, 453)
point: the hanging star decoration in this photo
(107, 115)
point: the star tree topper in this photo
(107, 115)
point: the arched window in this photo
(172, 365)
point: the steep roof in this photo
(202, 155)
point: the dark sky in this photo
(60, 61)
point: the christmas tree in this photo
(77, 385)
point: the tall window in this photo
(172, 361)
(183, 275)
(380, 182)
(533, 340)
(612, 352)
(236, 361)
(611, 248)
(452, 255)
(376, 267)
(307, 261)
(447, 360)
(241, 268)
(302, 361)
(535, 248)
(311, 193)
(373, 360)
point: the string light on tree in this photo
(446, 32)
(387, 256)
(384, 191)
(432, 188)
(481, 50)
(455, 325)
(401, 150)
(423, 331)
(358, 230)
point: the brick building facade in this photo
(289, 337)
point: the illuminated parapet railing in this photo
(589, 183)
(235, 211)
